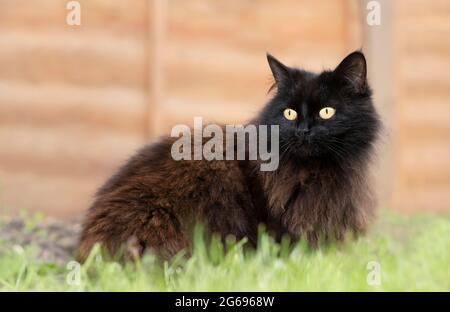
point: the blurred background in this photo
(77, 101)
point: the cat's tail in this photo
(106, 226)
(129, 232)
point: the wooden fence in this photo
(76, 101)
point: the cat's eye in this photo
(290, 114)
(327, 112)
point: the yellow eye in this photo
(327, 112)
(290, 114)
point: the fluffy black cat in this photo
(328, 126)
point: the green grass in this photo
(413, 253)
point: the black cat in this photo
(327, 128)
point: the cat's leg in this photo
(232, 218)
(162, 233)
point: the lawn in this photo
(410, 253)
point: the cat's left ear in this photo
(353, 69)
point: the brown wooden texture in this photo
(72, 100)
(421, 129)
(76, 101)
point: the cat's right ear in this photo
(280, 71)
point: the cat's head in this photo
(325, 115)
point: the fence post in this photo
(157, 25)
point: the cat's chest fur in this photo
(317, 201)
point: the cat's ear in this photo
(353, 69)
(280, 71)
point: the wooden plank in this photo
(423, 198)
(57, 196)
(183, 110)
(63, 150)
(426, 70)
(115, 17)
(426, 117)
(424, 163)
(227, 20)
(115, 109)
(423, 8)
(79, 59)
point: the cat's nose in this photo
(303, 131)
